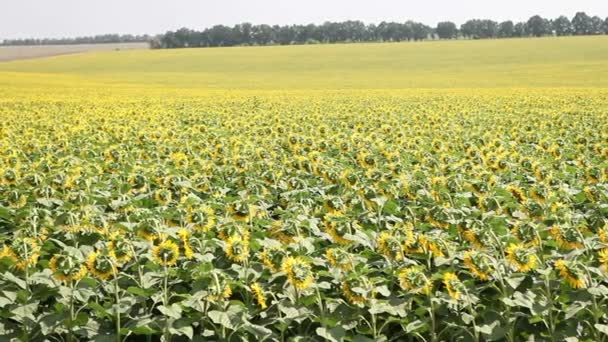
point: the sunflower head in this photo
(521, 258)
(339, 258)
(298, 271)
(67, 268)
(237, 248)
(479, 264)
(453, 285)
(101, 265)
(414, 280)
(165, 253)
(573, 275)
(258, 292)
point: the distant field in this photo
(9, 53)
(542, 62)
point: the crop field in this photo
(9, 53)
(435, 191)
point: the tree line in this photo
(99, 39)
(357, 31)
(347, 31)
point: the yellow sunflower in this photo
(237, 248)
(453, 285)
(258, 292)
(574, 277)
(339, 258)
(568, 237)
(101, 266)
(184, 236)
(166, 253)
(478, 264)
(163, 196)
(352, 297)
(522, 258)
(414, 280)
(119, 249)
(298, 271)
(66, 268)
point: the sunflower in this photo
(101, 265)
(478, 264)
(258, 292)
(166, 253)
(517, 193)
(574, 277)
(568, 237)
(390, 246)
(148, 230)
(163, 196)
(526, 232)
(433, 245)
(603, 234)
(414, 280)
(66, 268)
(298, 271)
(352, 297)
(453, 285)
(119, 248)
(473, 237)
(9, 177)
(241, 211)
(203, 219)
(184, 236)
(20, 248)
(237, 248)
(338, 229)
(339, 258)
(603, 257)
(221, 293)
(272, 258)
(522, 258)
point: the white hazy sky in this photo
(69, 18)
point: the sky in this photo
(71, 18)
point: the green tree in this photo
(562, 26)
(446, 30)
(538, 26)
(582, 24)
(506, 29)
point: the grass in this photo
(508, 63)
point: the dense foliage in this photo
(358, 216)
(341, 32)
(357, 31)
(99, 39)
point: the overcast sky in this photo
(69, 18)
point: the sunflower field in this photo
(305, 216)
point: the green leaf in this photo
(19, 282)
(172, 311)
(414, 326)
(487, 329)
(603, 328)
(221, 318)
(334, 334)
(183, 328)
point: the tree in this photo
(562, 26)
(582, 24)
(596, 25)
(446, 30)
(519, 30)
(605, 26)
(538, 26)
(506, 29)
